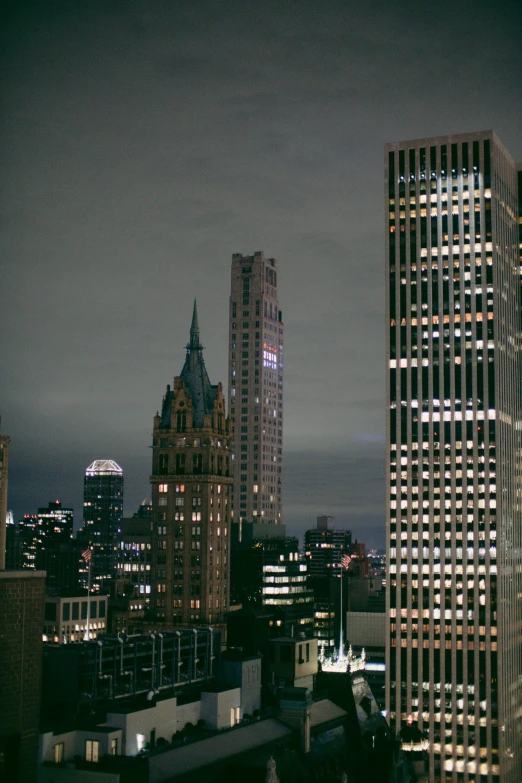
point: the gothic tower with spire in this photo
(191, 487)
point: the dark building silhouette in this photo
(102, 513)
(269, 573)
(13, 548)
(325, 547)
(21, 624)
(249, 629)
(131, 594)
(44, 542)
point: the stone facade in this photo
(191, 484)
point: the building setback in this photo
(453, 431)
(191, 484)
(256, 388)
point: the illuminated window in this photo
(58, 753)
(92, 750)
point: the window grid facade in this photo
(255, 395)
(453, 465)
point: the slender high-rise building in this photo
(4, 469)
(453, 437)
(191, 484)
(255, 392)
(102, 513)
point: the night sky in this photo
(142, 143)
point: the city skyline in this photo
(143, 147)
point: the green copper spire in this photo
(194, 329)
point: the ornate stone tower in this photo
(191, 487)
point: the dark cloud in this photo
(145, 142)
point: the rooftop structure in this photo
(103, 467)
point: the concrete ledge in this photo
(27, 573)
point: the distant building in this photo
(21, 622)
(13, 547)
(144, 510)
(55, 523)
(269, 573)
(44, 542)
(63, 564)
(134, 558)
(132, 589)
(102, 513)
(325, 547)
(74, 618)
(57, 553)
(4, 470)
(29, 533)
(191, 484)
(255, 400)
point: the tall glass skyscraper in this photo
(453, 453)
(102, 513)
(255, 388)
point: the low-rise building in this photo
(293, 662)
(243, 671)
(74, 618)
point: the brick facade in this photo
(21, 623)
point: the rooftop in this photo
(103, 466)
(191, 757)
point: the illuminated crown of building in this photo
(103, 466)
(343, 663)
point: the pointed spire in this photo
(271, 774)
(194, 329)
